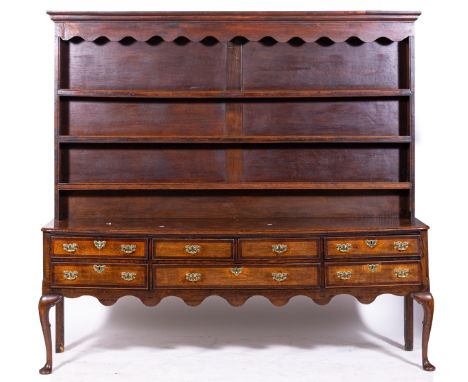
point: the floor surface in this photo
(217, 342)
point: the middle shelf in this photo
(237, 186)
(237, 139)
(229, 94)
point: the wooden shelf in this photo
(238, 186)
(222, 94)
(234, 139)
(275, 225)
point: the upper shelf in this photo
(237, 186)
(371, 139)
(224, 26)
(219, 94)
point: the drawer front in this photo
(81, 247)
(368, 274)
(193, 249)
(245, 276)
(281, 248)
(98, 274)
(372, 246)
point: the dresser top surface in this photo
(233, 226)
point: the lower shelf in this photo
(238, 186)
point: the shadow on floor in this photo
(215, 324)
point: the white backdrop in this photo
(173, 342)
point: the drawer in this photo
(90, 247)
(372, 246)
(368, 274)
(99, 274)
(245, 276)
(281, 248)
(193, 249)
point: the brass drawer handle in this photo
(401, 273)
(279, 248)
(99, 244)
(70, 247)
(70, 275)
(344, 275)
(344, 247)
(236, 271)
(193, 276)
(99, 268)
(192, 249)
(279, 276)
(372, 267)
(128, 248)
(128, 276)
(401, 245)
(371, 243)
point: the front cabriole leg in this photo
(427, 302)
(45, 303)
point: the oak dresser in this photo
(234, 154)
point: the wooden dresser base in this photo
(141, 261)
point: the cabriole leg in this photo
(45, 303)
(427, 302)
(408, 322)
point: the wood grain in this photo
(234, 132)
(384, 246)
(86, 247)
(206, 249)
(254, 248)
(111, 276)
(250, 276)
(366, 275)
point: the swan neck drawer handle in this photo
(193, 277)
(128, 248)
(401, 273)
(344, 275)
(70, 275)
(401, 245)
(192, 249)
(279, 276)
(70, 247)
(279, 248)
(128, 276)
(344, 247)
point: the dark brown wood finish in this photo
(193, 249)
(345, 247)
(46, 302)
(427, 301)
(279, 249)
(278, 276)
(408, 322)
(234, 154)
(69, 247)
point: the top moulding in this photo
(280, 26)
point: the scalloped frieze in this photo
(223, 32)
(233, 297)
